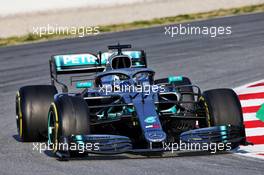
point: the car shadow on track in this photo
(141, 156)
(16, 137)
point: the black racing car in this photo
(120, 107)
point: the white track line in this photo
(255, 131)
(243, 87)
(252, 148)
(253, 102)
(253, 155)
(250, 90)
(250, 116)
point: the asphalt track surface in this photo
(226, 61)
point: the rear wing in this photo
(88, 63)
(74, 64)
(77, 63)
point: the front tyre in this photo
(68, 115)
(222, 107)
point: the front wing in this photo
(115, 144)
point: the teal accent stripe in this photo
(78, 138)
(172, 79)
(223, 133)
(84, 84)
(58, 63)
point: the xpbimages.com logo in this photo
(80, 31)
(187, 29)
(126, 88)
(79, 147)
(209, 147)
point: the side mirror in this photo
(87, 84)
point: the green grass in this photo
(139, 24)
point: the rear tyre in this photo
(223, 107)
(68, 115)
(32, 107)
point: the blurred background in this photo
(18, 17)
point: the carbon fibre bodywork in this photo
(130, 120)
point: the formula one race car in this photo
(122, 108)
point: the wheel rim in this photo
(19, 115)
(53, 128)
(207, 113)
